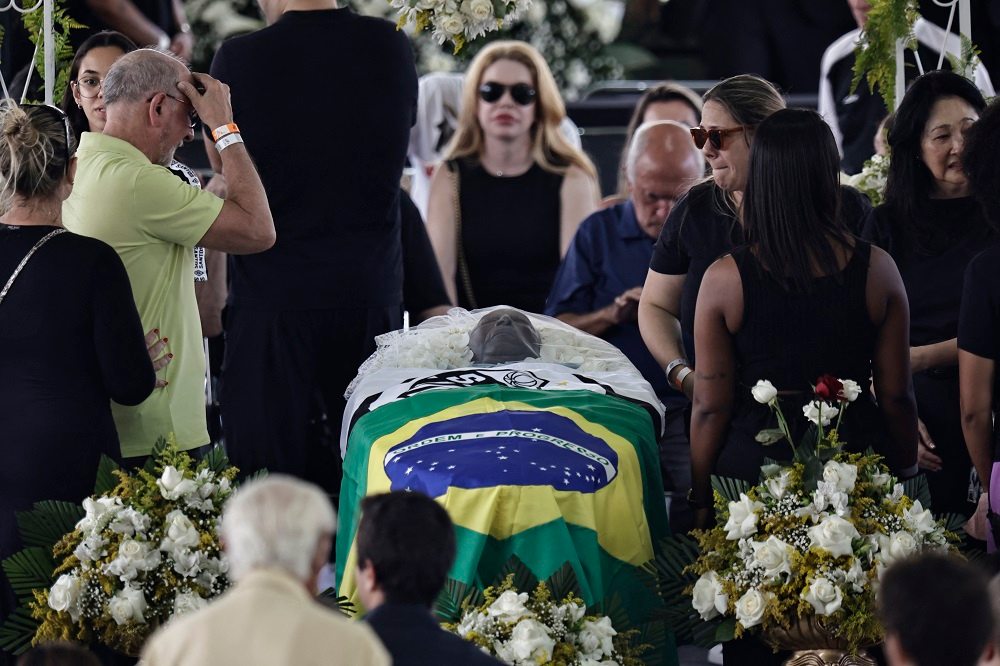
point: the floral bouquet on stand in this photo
(800, 554)
(143, 549)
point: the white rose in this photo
(451, 24)
(898, 546)
(841, 475)
(509, 607)
(819, 413)
(530, 640)
(824, 596)
(919, 520)
(773, 556)
(173, 485)
(851, 390)
(188, 603)
(64, 596)
(127, 604)
(133, 557)
(764, 392)
(777, 485)
(479, 10)
(179, 532)
(742, 518)
(708, 598)
(750, 608)
(833, 534)
(595, 638)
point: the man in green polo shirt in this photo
(124, 197)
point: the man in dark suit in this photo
(406, 546)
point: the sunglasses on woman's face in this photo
(713, 136)
(521, 93)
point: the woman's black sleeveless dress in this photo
(510, 232)
(791, 339)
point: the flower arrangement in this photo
(522, 629)
(143, 552)
(572, 35)
(871, 180)
(458, 21)
(813, 538)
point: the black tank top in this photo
(791, 339)
(510, 230)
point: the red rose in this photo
(827, 386)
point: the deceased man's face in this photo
(503, 336)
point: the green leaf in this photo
(563, 582)
(726, 630)
(48, 522)
(770, 468)
(18, 630)
(158, 447)
(916, 489)
(448, 606)
(524, 580)
(28, 570)
(216, 459)
(328, 597)
(827, 453)
(812, 473)
(770, 436)
(730, 489)
(106, 480)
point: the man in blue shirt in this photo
(599, 282)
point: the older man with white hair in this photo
(599, 282)
(277, 534)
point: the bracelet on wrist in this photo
(680, 377)
(224, 130)
(228, 140)
(673, 364)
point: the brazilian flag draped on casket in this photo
(564, 471)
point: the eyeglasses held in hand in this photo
(88, 86)
(521, 93)
(714, 136)
(64, 119)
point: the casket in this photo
(551, 462)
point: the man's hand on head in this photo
(210, 99)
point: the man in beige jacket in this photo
(277, 533)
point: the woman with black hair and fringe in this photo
(932, 228)
(802, 298)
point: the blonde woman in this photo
(512, 191)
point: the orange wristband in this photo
(222, 131)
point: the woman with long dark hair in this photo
(801, 299)
(932, 228)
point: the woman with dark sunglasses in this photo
(705, 224)
(70, 337)
(803, 297)
(932, 227)
(513, 190)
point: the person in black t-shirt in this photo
(303, 316)
(979, 320)
(932, 228)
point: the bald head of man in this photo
(662, 165)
